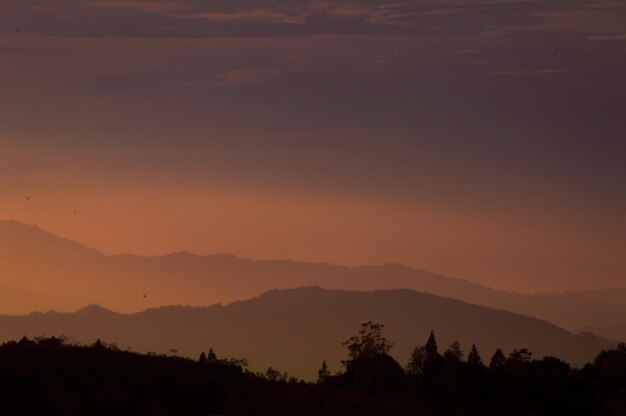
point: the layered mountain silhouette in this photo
(609, 294)
(42, 272)
(296, 329)
(17, 238)
(612, 332)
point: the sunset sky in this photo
(483, 139)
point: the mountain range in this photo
(294, 330)
(41, 271)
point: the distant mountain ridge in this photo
(295, 329)
(16, 237)
(609, 294)
(611, 332)
(66, 275)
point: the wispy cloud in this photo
(397, 14)
(144, 6)
(583, 20)
(255, 15)
(608, 37)
(240, 77)
(448, 11)
(548, 71)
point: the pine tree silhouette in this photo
(417, 360)
(497, 361)
(473, 358)
(454, 352)
(211, 357)
(431, 349)
(323, 374)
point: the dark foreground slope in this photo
(48, 377)
(296, 329)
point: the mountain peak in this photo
(93, 309)
(17, 237)
(8, 224)
(185, 254)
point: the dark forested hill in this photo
(296, 329)
(53, 377)
(47, 378)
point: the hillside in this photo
(295, 329)
(610, 294)
(56, 274)
(54, 377)
(612, 332)
(49, 378)
(17, 238)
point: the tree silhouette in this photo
(370, 367)
(609, 369)
(473, 358)
(417, 361)
(273, 375)
(369, 342)
(434, 360)
(211, 357)
(497, 361)
(518, 359)
(454, 353)
(52, 342)
(202, 358)
(323, 374)
(430, 347)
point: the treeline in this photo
(48, 376)
(52, 377)
(447, 380)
